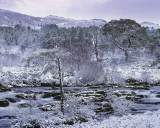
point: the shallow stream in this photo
(145, 99)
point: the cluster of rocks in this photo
(3, 88)
(93, 95)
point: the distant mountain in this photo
(150, 25)
(9, 18)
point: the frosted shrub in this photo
(113, 76)
(75, 109)
(120, 105)
(91, 72)
(145, 120)
(78, 108)
(145, 76)
(30, 117)
(42, 120)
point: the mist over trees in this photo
(86, 45)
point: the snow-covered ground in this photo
(140, 71)
(146, 120)
(16, 73)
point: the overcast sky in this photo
(139, 10)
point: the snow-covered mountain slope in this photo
(9, 18)
(82, 23)
(150, 25)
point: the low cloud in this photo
(9, 4)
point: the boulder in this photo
(27, 95)
(47, 84)
(50, 94)
(136, 82)
(50, 106)
(24, 105)
(21, 96)
(3, 88)
(4, 103)
(11, 100)
(132, 81)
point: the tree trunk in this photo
(71, 61)
(95, 45)
(96, 50)
(126, 56)
(96, 54)
(79, 60)
(125, 51)
(61, 84)
(129, 41)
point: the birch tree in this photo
(51, 59)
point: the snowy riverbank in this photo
(31, 76)
(146, 120)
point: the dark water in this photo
(145, 99)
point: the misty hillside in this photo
(9, 18)
(150, 25)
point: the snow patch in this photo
(150, 25)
